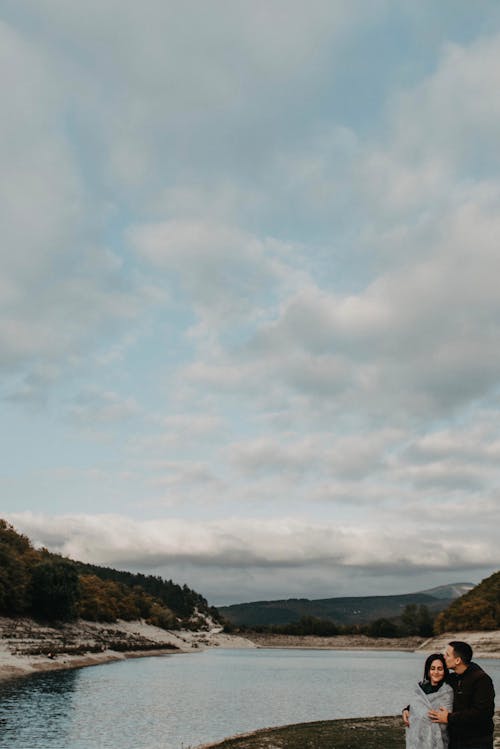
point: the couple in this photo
(452, 710)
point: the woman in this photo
(429, 694)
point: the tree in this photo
(55, 590)
(417, 620)
(39, 583)
(14, 580)
(383, 628)
(425, 622)
(10, 537)
(16, 557)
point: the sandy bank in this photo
(484, 644)
(27, 647)
(339, 642)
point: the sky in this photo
(249, 296)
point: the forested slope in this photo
(479, 609)
(38, 583)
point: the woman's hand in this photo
(406, 718)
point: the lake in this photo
(178, 701)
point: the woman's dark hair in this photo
(430, 660)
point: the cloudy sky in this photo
(249, 290)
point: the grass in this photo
(369, 733)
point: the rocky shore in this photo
(386, 732)
(484, 644)
(27, 646)
(352, 733)
(339, 642)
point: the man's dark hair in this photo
(462, 650)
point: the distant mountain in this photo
(343, 610)
(450, 592)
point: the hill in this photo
(478, 609)
(46, 586)
(350, 610)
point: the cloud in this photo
(60, 286)
(199, 89)
(193, 424)
(92, 407)
(272, 545)
(225, 272)
(295, 307)
(456, 109)
(266, 455)
(417, 339)
(40, 198)
(318, 455)
(185, 482)
(479, 442)
(32, 388)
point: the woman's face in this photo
(436, 672)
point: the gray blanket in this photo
(422, 734)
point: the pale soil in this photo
(27, 647)
(339, 642)
(484, 644)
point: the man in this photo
(470, 722)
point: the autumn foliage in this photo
(479, 609)
(35, 582)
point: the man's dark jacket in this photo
(471, 721)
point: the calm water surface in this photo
(173, 702)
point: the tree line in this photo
(477, 610)
(415, 620)
(39, 583)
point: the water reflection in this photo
(36, 709)
(189, 699)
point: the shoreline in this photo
(485, 644)
(276, 734)
(337, 642)
(377, 732)
(28, 647)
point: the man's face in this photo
(450, 657)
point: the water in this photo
(173, 702)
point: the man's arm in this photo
(481, 709)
